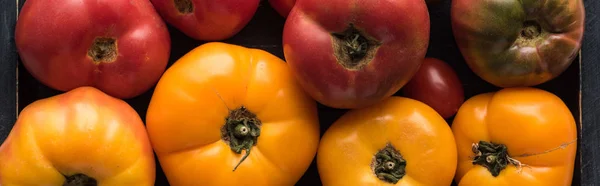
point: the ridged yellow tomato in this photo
(221, 102)
(399, 141)
(81, 136)
(516, 136)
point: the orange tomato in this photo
(81, 136)
(399, 141)
(228, 115)
(526, 136)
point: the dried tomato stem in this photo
(79, 180)
(355, 44)
(388, 165)
(241, 132)
(103, 50)
(492, 156)
(531, 30)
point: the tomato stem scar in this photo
(103, 50)
(352, 48)
(79, 180)
(493, 156)
(531, 29)
(241, 131)
(388, 165)
(184, 6)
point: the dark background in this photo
(579, 86)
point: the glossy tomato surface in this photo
(119, 47)
(534, 133)
(221, 102)
(353, 53)
(399, 141)
(84, 131)
(437, 85)
(512, 43)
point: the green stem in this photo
(79, 180)
(241, 132)
(492, 156)
(389, 165)
(355, 44)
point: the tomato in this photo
(228, 115)
(398, 141)
(208, 20)
(83, 136)
(437, 85)
(119, 47)
(514, 43)
(283, 7)
(516, 136)
(354, 53)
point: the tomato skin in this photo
(81, 131)
(209, 20)
(312, 49)
(192, 100)
(514, 43)
(422, 137)
(437, 85)
(54, 45)
(283, 7)
(535, 125)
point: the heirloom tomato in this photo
(228, 115)
(120, 47)
(81, 137)
(516, 136)
(437, 85)
(354, 53)
(515, 43)
(207, 19)
(398, 141)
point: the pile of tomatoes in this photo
(224, 114)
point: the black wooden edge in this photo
(590, 97)
(8, 67)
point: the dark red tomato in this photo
(437, 85)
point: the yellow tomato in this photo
(81, 136)
(221, 102)
(516, 136)
(399, 141)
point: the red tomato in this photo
(437, 85)
(119, 47)
(208, 20)
(354, 53)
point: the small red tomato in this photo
(437, 85)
